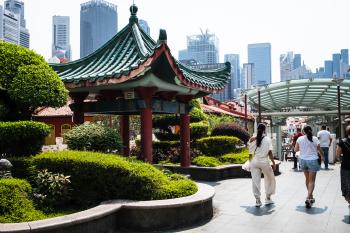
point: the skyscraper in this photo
(247, 75)
(260, 55)
(235, 81)
(344, 56)
(328, 69)
(1, 23)
(336, 65)
(144, 25)
(286, 66)
(61, 37)
(98, 24)
(17, 7)
(10, 27)
(296, 61)
(203, 48)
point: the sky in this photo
(314, 28)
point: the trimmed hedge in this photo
(93, 137)
(15, 206)
(206, 161)
(96, 177)
(231, 129)
(22, 168)
(199, 130)
(22, 138)
(235, 158)
(218, 145)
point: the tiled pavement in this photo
(235, 211)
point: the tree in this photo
(26, 83)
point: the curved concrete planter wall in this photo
(112, 216)
(214, 173)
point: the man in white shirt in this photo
(325, 142)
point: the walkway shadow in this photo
(312, 210)
(346, 219)
(263, 210)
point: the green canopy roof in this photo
(129, 56)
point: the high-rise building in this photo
(61, 37)
(247, 75)
(344, 56)
(286, 66)
(144, 25)
(328, 69)
(336, 65)
(1, 23)
(11, 27)
(235, 80)
(98, 24)
(297, 61)
(17, 7)
(260, 55)
(203, 48)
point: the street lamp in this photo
(338, 81)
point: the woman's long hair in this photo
(308, 132)
(259, 137)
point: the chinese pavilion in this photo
(132, 74)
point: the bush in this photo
(206, 161)
(22, 138)
(22, 168)
(198, 130)
(166, 136)
(218, 145)
(231, 129)
(93, 137)
(15, 205)
(235, 158)
(97, 177)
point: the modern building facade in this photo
(1, 23)
(235, 80)
(144, 25)
(336, 65)
(10, 27)
(17, 8)
(247, 75)
(260, 55)
(203, 48)
(98, 24)
(296, 61)
(286, 66)
(61, 37)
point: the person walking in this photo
(309, 147)
(261, 151)
(343, 151)
(325, 142)
(295, 138)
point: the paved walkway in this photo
(235, 211)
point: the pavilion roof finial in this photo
(133, 11)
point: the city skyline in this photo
(304, 27)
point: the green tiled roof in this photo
(129, 54)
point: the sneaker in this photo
(258, 203)
(269, 202)
(308, 203)
(312, 200)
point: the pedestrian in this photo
(261, 152)
(309, 147)
(343, 151)
(325, 142)
(295, 138)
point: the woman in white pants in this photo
(261, 151)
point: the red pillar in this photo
(78, 113)
(185, 140)
(146, 93)
(124, 129)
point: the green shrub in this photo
(198, 130)
(197, 115)
(93, 137)
(22, 138)
(22, 167)
(97, 177)
(15, 205)
(206, 161)
(235, 158)
(166, 136)
(218, 145)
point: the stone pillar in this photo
(78, 113)
(124, 131)
(145, 94)
(185, 140)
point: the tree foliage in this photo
(27, 82)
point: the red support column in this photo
(78, 113)
(185, 140)
(124, 130)
(146, 93)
